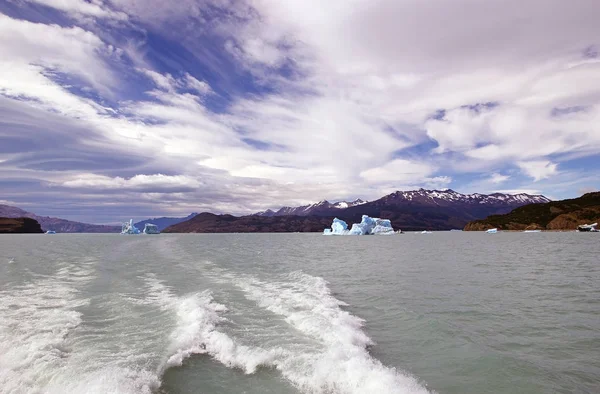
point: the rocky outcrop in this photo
(555, 215)
(19, 226)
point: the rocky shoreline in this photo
(19, 226)
(562, 215)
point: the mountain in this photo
(19, 225)
(322, 208)
(163, 222)
(420, 209)
(555, 215)
(56, 224)
(408, 210)
(211, 223)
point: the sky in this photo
(144, 108)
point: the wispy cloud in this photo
(247, 105)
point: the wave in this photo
(36, 319)
(344, 364)
(40, 350)
(46, 345)
(197, 317)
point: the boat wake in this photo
(342, 364)
(54, 340)
(197, 316)
(333, 358)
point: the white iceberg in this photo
(338, 227)
(367, 226)
(150, 228)
(129, 228)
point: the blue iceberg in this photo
(150, 228)
(338, 227)
(367, 226)
(129, 228)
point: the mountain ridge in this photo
(324, 207)
(311, 209)
(409, 210)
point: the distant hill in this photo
(163, 222)
(555, 215)
(211, 223)
(19, 225)
(56, 224)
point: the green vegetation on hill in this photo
(555, 215)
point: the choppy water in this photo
(300, 313)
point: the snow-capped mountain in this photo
(449, 196)
(322, 208)
(418, 209)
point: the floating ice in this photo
(150, 228)
(129, 228)
(367, 226)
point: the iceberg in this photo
(129, 228)
(338, 227)
(150, 228)
(367, 226)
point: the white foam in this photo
(38, 352)
(36, 319)
(344, 364)
(197, 317)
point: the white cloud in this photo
(538, 170)
(95, 8)
(155, 182)
(498, 178)
(168, 83)
(34, 51)
(398, 170)
(348, 119)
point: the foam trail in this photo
(39, 349)
(344, 365)
(35, 320)
(197, 317)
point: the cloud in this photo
(498, 178)
(156, 183)
(78, 8)
(252, 104)
(170, 84)
(34, 54)
(538, 170)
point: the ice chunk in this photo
(129, 228)
(150, 228)
(367, 226)
(338, 227)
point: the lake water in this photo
(452, 312)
